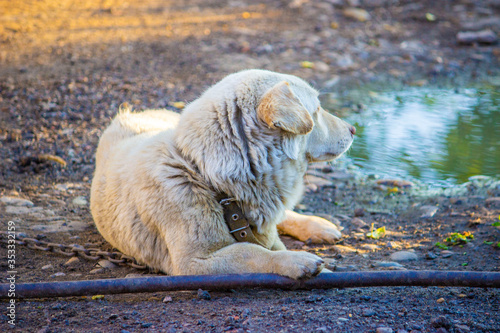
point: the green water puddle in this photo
(439, 136)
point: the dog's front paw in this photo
(319, 230)
(297, 265)
(309, 228)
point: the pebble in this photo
(393, 245)
(12, 201)
(203, 294)
(342, 319)
(368, 312)
(97, 271)
(403, 256)
(17, 210)
(493, 202)
(49, 266)
(135, 275)
(386, 264)
(483, 37)
(72, 261)
(107, 264)
(58, 274)
(371, 247)
(428, 211)
(167, 299)
(440, 321)
(446, 253)
(348, 268)
(384, 330)
(430, 256)
(441, 300)
(358, 14)
(462, 328)
(359, 223)
(80, 201)
(359, 212)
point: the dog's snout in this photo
(352, 129)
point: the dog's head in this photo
(292, 107)
(231, 130)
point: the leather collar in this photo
(238, 224)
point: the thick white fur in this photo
(250, 136)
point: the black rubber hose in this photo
(245, 281)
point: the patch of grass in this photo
(441, 246)
(457, 238)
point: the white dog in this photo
(167, 187)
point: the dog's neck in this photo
(237, 154)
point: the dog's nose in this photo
(352, 129)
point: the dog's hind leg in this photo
(309, 228)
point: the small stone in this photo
(358, 223)
(80, 201)
(321, 66)
(359, 212)
(446, 253)
(167, 299)
(72, 261)
(371, 247)
(368, 312)
(342, 319)
(393, 245)
(134, 276)
(146, 325)
(49, 266)
(441, 330)
(107, 264)
(387, 264)
(203, 294)
(428, 211)
(441, 300)
(493, 202)
(462, 328)
(403, 256)
(113, 316)
(358, 14)
(97, 271)
(58, 274)
(348, 268)
(384, 330)
(17, 210)
(12, 201)
(440, 321)
(482, 37)
(430, 256)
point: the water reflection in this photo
(435, 135)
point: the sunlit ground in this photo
(29, 27)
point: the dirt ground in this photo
(66, 66)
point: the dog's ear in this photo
(280, 108)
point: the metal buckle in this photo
(227, 201)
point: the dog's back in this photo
(127, 124)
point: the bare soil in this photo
(66, 66)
